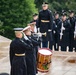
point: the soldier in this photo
(45, 22)
(30, 54)
(64, 33)
(72, 29)
(36, 37)
(56, 31)
(17, 54)
(34, 21)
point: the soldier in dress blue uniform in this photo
(35, 21)
(64, 33)
(56, 31)
(72, 21)
(30, 54)
(36, 37)
(17, 54)
(45, 23)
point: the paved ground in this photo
(4, 55)
(63, 63)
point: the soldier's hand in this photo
(49, 30)
(63, 28)
(74, 37)
(54, 31)
(26, 38)
(39, 34)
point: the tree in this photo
(1, 27)
(15, 13)
(58, 5)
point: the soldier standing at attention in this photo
(57, 31)
(45, 22)
(17, 54)
(34, 22)
(64, 33)
(72, 21)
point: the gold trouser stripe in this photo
(45, 21)
(20, 54)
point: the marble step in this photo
(4, 41)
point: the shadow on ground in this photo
(4, 74)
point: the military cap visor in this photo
(45, 3)
(71, 11)
(56, 13)
(18, 29)
(64, 14)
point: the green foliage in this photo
(58, 5)
(1, 27)
(15, 13)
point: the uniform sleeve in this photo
(25, 45)
(54, 25)
(34, 41)
(59, 27)
(11, 53)
(37, 25)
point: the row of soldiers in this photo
(65, 31)
(60, 30)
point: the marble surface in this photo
(63, 63)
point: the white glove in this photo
(39, 34)
(25, 37)
(49, 30)
(35, 29)
(38, 29)
(63, 28)
(56, 26)
(54, 32)
(74, 32)
(61, 34)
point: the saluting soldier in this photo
(72, 21)
(45, 22)
(17, 54)
(56, 31)
(37, 37)
(30, 54)
(64, 33)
